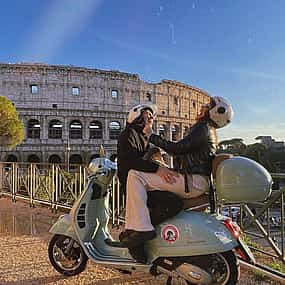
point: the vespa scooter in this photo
(196, 247)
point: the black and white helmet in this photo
(222, 113)
(137, 111)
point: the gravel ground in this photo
(23, 253)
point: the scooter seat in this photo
(114, 243)
(196, 204)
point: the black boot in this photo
(132, 239)
(138, 253)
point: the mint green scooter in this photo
(195, 247)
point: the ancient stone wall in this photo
(89, 103)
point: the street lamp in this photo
(68, 153)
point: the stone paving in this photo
(23, 253)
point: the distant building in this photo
(271, 143)
(68, 112)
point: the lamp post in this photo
(68, 153)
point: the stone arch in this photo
(185, 131)
(33, 129)
(162, 130)
(55, 129)
(33, 158)
(114, 130)
(11, 158)
(75, 159)
(75, 129)
(54, 158)
(175, 133)
(95, 130)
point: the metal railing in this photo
(263, 224)
(42, 183)
(266, 221)
(51, 185)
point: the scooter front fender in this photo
(64, 227)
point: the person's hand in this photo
(148, 130)
(166, 174)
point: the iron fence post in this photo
(56, 190)
(13, 178)
(282, 224)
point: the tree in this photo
(273, 160)
(234, 146)
(11, 127)
(260, 153)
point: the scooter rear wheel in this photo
(66, 255)
(223, 267)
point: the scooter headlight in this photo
(99, 164)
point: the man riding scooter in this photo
(132, 146)
(197, 150)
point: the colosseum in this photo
(69, 112)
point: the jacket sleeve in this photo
(130, 155)
(196, 139)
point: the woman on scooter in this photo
(197, 151)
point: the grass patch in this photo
(278, 266)
(264, 259)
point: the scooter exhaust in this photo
(189, 272)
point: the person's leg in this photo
(138, 183)
(137, 214)
(197, 184)
(138, 223)
(138, 227)
(152, 181)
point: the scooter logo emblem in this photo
(169, 233)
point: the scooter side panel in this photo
(84, 214)
(63, 227)
(190, 233)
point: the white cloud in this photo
(254, 73)
(126, 45)
(61, 22)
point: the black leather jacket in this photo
(132, 146)
(196, 151)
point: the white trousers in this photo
(138, 183)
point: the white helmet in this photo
(137, 110)
(222, 113)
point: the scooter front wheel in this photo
(66, 255)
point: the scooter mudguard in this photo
(190, 234)
(63, 227)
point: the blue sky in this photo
(230, 48)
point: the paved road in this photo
(23, 253)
